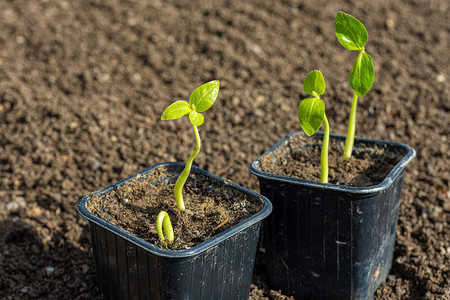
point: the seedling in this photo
(352, 34)
(200, 100)
(311, 114)
(164, 228)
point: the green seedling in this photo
(352, 34)
(164, 228)
(200, 100)
(311, 114)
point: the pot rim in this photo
(406, 159)
(178, 254)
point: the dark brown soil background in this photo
(83, 85)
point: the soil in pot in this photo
(301, 159)
(211, 208)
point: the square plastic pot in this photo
(131, 268)
(326, 241)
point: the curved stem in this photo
(351, 129)
(324, 152)
(178, 190)
(163, 226)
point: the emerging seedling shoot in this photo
(311, 114)
(352, 34)
(200, 100)
(164, 228)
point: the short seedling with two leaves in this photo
(200, 100)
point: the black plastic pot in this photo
(326, 241)
(131, 268)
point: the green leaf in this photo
(362, 74)
(196, 118)
(311, 113)
(204, 96)
(314, 82)
(350, 32)
(176, 110)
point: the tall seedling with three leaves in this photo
(200, 100)
(311, 114)
(352, 34)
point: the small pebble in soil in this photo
(236, 119)
(73, 125)
(256, 49)
(12, 207)
(20, 40)
(49, 270)
(380, 128)
(136, 77)
(259, 113)
(440, 78)
(391, 277)
(260, 100)
(94, 165)
(390, 23)
(15, 205)
(34, 212)
(286, 108)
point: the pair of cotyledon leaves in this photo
(311, 111)
(201, 99)
(352, 34)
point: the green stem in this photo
(178, 190)
(351, 129)
(163, 226)
(324, 152)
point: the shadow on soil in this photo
(31, 268)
